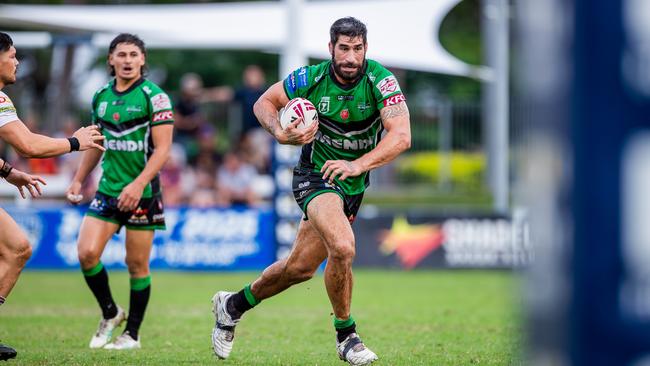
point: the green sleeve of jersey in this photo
(299, 81)
(386, 88)
(161, 111)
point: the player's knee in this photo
(137, 266)
(23, 252)
(342, 251)
(88, 258)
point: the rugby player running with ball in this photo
(357, 99)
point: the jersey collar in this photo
(127, 91)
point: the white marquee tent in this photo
(401, 33)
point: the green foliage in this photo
(460, 31)
(466, 170)
(408, 318)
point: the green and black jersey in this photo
(349, 120)
(126, 119)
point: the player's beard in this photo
(349, 77)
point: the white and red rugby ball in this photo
(296, 108)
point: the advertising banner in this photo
(443, 241)
(197, 239)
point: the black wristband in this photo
(5, 170)
(74, 143)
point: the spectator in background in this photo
(192, 123)
(207, 158)
(254, 86)
(235, 180)
(171, 176)
(189, 119)
(254, 141)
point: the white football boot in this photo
(223, 333)
(123, 342)
(354, 351)
(105, 329)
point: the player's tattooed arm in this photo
(397, 110)
(269, 121)
(267, 106)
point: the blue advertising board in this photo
(196, 239)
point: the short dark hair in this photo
(348, 26)
(130, 39)
(5, 42)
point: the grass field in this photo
(407, 318)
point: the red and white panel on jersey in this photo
(7, 110)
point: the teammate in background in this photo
(15, 249)
(356, 100)
(136, 118)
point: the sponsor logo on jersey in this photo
(118, 102)
(324, 105)
(162, 116)
(371, 77)
(345, 114)
(363, 106)
(303, 185)
(101, 110)
(341, 98)
(395, 99)
(133, 108)
(303, 77)
(388, 85)
(116, 116)
(291, 83)
(160, 101)
(318, 77)
(345, 144)
(146, 89)
(124, 145)
(158, 217)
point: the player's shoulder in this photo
(303, 78)
(4, 99)
(157, 96)
(150, 88)
(103, 89)
(376, 71)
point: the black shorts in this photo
(308, 184)
(149, 215)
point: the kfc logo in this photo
(395, 99)
(163, 116)
(388, 85)
(160, 101)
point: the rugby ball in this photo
(296, 108)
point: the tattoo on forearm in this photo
(269, 122)
(395, 111)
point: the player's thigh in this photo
(12, 238)
(327, 217)
(309, 250)
(94, 234)
(138, 246)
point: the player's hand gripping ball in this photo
(296, 108)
